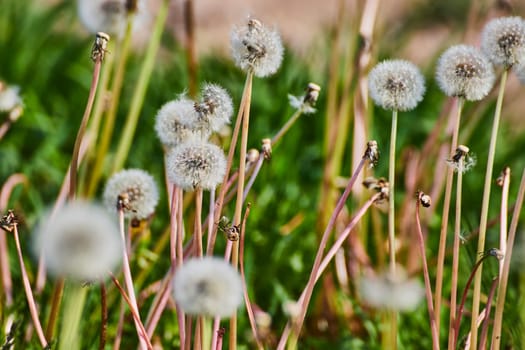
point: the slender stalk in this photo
(75, 299)
(318, 258)
(426, 276)
(277, 137)
(56, 299)
(455, 255)
(120, 326)
(198, 222)
(27, 289)
(129, 283)
(83, 126)
(485, 208)
(211, 215)
(444, 216)
(239, 200)
(502, 288)
(255, 172)
(111, 115)
(140, 89)
(103, 316)
(488, 307)
(503, 215)
(191, 56)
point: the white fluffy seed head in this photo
(392, 292)
(503, 41)
(81, 241)
(9, 97)
(215, 107)
(177, 122)
(140, 191)
(208, 286)
(463, 71)
(396, 85)
(256, 47)
(196, 164)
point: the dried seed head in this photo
(424, 199)
(372, 153)
(257, 48)
(503, 41)
(396, 85)
(267, 148)
(99, 46)
(9, 97)
(207, 286)
(196, 164)
(80, 241)
(134, 191)
(463, 71)
(462, 160)
(306, 103)
(252, 156)
(177, 122)
(392, 292)
(215, 108)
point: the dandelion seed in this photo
(396, 85)
(503, 41)
(176, 122)
(196, 164)
(216, 107)
(80, 241)
(463, 71)
(208, 286)
(134, 190)
(9, 97)
(392, 292)
(257, 48)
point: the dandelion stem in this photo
(103, 316)
(455, 255)
(82, 128)
(287, 126)
(27, 289)
(426, 276)
(444, 217)
(140, 89)
(56, 300)
(198, 222)
(485, 208)
(502, 288)
(73, 305)
(488, 307)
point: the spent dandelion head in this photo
(503, 41)
(132, 190)
(177, 122)
(196, 164)
(103, 15)
(463, 71)
(396, 85)
(306, 102)
(463, 160)
(257, 48)
(9, 97)
(392, 291)
(208, 287)
(80, 241)
(215, 107)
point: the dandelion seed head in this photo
(463, 71)
(396, 85)
(503, 41)
(256, 47)
(463, 160)
(9, 97)
(177, 122)
(215, 107)
(81, 241)
(208, 286)
(196, 164)
(392, 292)
(140, 189)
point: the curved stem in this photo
(73, 305)
(485, 208)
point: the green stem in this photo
(74, 303)
(485, 210)
(287, 126)
(140, 90)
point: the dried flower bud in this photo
(196, 164)
(267, 148)
(463, 71)
(396, 85)
(372, 153)
(424, 199)
(134, 191)
(99, 46)
(503, 41)
(252, 156)
(257, 48)
(208, 286)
